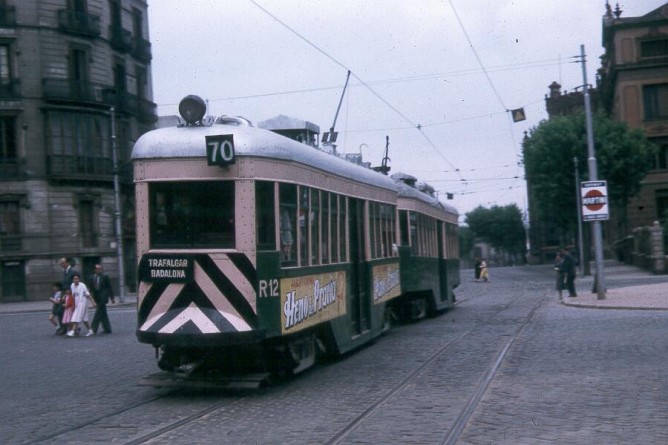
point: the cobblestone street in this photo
(510, 364)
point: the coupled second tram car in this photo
(258, 253)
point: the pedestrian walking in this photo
(65, 282)
(478, 261)
(68, 309)
(102, 293)
(56, 305)
(81, 298)
(559, 268)
(484, 273)
(569, 273)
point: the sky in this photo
(436, 77)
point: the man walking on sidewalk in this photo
(568, 269)
(100, 285)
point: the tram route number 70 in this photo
(220, 149)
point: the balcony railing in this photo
(142, 50)
(83, 167)
(120, 39)
(11, 243)
(12, 168)
(65, 90)
(75, 91)
(7, 15)
(76, 22)
(10, 89)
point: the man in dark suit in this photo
(66, 281)
(100, 286)
(568, 269)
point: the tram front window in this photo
(192, 214)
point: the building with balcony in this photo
(64, 66)
(634, 89)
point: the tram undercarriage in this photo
(243, 366)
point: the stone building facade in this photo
(64, 65)
(634, 85)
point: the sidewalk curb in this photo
(601, 306)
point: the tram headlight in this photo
(192, 109)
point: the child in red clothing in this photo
(69, 308)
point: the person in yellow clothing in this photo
(484, 273)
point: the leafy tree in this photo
(501, 227)
(624, 156)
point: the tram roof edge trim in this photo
(406, 191)
(190, 142)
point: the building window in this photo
(655, 101)
(10, 226)
(662, 205)
(8, 153)
(5, 64)
(654, 48)
(79, 64)
(87, 223)
(13, 281)
(662, 157)
(137, 23)
(80, 144)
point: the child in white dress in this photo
(81, 299)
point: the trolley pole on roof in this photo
(593, 176)
(117, 211)
(330, 137)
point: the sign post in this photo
(593, 176)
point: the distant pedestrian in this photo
(56, 305)
(484, 273)
(559, 268)
(477, 269)
(102, 293)
(569, 273)
(81, 298)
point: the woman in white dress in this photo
(81, 299)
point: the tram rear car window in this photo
(192, 214)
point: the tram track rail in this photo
(61, 436)
(458, 426)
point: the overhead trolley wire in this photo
(359, 79)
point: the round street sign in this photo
(594, 200)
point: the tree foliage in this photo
(623, 155)
(501, 227)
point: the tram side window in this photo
(381, 218)
(316, 243)
(325, 228)
(334, 227)
(403, 227)
(374, 228)
(192, 214)
(343, 234)
(389, 230)
(264, 211)
(305, 218)
(288, 223)
(413, 223)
